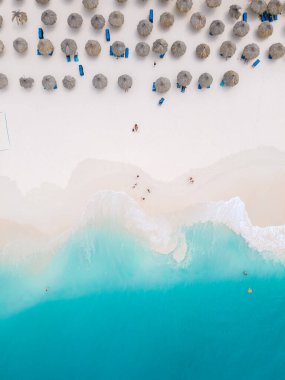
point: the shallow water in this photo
(114, 309)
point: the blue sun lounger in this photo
(275, 17)
(178, 85)
(183, 89)
(161, 100)
(127, 53)
(81, 71)
(76, 59)
(222, 83)
(40, 33)
(153, 87)
(38, 52)
(255, 63)
(161, 56)
(150, 15)
(111, 51)
(68, 58)
(107, 35)
(244, 17)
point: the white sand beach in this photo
(230, 140)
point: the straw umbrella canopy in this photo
(121, 1)
(240, 29)
(116, 19)
(276, 51)
(42, 2)
(265, 29)
(144, 28)
(93, 48)
(142, 49)
(49, 17)
(69, 82)
(231, 78)
(74, 20)
(205, 80)
(178, 49)
(213, 3)
(217, 27)
(98, 22)
(125, 82)
(26, 82)
(45, 47)
(20, 45)
(100, 81)
(227, 49)
(69, 47)
(197, 21)
(160, 46)
(235, 11)
(2, 47)
(166, 19)
(162, 85)
(203, 51)
(118, 48)
(90, 4)
(258, 6)
(49, 82)
(250, 52)
(3, 81)
(184, 78)
(184, 6)
(275, 7)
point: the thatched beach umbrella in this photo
(203, 51)
(118, 48)
(227, 49)
(49, 17)
(276, 51)
(26, 82)
(197, 21)
(166, 19)
(184, 6)
(265, 29)
(90, 4)
(205, 80)
(93, 48)
(258, 6)
(235, 11)
(213, 3)
(100, 81)
(121, 1)
(20, 45)
(49, 82)
(3, 81)
(184, 78)
(2, 47)
(75, 20)
(160, 46)
(275, 7)
(116, 19)
(144, 28)
(69, 82)
(178, 49)
(142, 49)
(162, 85)
(231, 78)
(240, 29)
(217, 27)
(45, 47)
(98, 22)
(42, 2)
(69, 47)
(125, 82)
(250, 52)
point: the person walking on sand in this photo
(136, 128)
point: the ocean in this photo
(106, 306)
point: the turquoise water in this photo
(113, 309)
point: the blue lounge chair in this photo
(50, 54)
(81, 71)
(40, 33)
(183, 89)
(255, 63)
(153, 87)
(199, 87)
(38, 52)
(161, 101)
(55, 87)
(127, 53)
(275, 17)
(269, 57)
(244, 17)
(161, 56)
(222, 83)
(270, 18)
(151, 15)
(76, 59)
(111, 51)
(68, 58)
(178, 85)
(107, 34)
